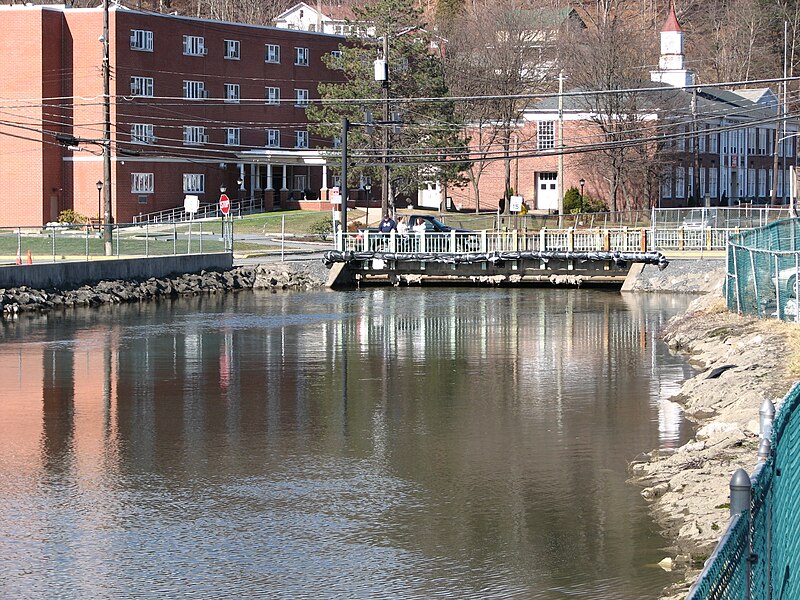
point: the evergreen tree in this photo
(425, 146)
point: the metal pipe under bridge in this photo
(488, 257)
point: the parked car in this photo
(786, 283)
(432, 225)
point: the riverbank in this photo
(297, 275)
(741, 362)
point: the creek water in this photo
(384, 443)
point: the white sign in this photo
(335, 196)
(191, 204)
(515, 204)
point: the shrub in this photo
(323, 228)
(70, 216)
(572, 202)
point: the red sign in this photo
(224, 204)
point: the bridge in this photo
(558, 256)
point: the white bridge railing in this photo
(623, 239)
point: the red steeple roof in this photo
(672, 20)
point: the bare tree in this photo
(506, 51)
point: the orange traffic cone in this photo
(19, 259)
(30, 258)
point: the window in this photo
(762, 140)
(545, 135)
(680, 141)
(790, 142)
(194, 135)
(336, 54)
(232, 49)
(301, 139)
(273, 138)
(142, 86)
(231, 92)
(273, 95)
(751, 183)
(141, 183)
(770, 180)
(194, 183)
(701, 141)
(300, 182)
(194, 90)
(194, 45)
(723, 141)
(712, 182)
(666, 184)
(300, 97)
(762, 183)
(142, 198)
(233, 136)
(301, 56)
(142, 133)
(273, 53)
(336, 181)
(141, 40)
(690, 183)
(780, 184)
(713, 142)
(751, 140)
(680, 181)
(702, 182)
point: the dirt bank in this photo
(741, 361)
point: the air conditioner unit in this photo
(204, 138)
(205, 93)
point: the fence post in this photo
(283, 233)
(764, 448)
(147, 239)
(766, 414)
(87, 241)
(55, 233)
(740, 492)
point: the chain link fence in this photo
(763, 270)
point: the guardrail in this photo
(571, 240)
(758, 557)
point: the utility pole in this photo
(560, 186)
(779, 115)
(107, 231)
(385, 130)
(343, 184)
(696, 196)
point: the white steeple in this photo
(671, 67)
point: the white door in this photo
(547, 191)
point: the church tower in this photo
(671, 67)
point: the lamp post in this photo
(582, 182)
(99, 185)
(368, 189)
(239, 183)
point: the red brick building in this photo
(195, 104)
(719, 142)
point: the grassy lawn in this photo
(294, 222)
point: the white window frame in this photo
(273, 138)
(142, 183)
(713, 142)
(142, 133)
(232, 92)
(762, 140)
(680, 140)
(770, 180)
(194, 45)
(680, 180)
(666, 184)
(545, 135)
(194, 135)
(301, 98)
(780, 183)
(713, 179)
(301, 138)
(751, 140)
(141, 86)
(194, 183)
(273, 95)
(232, 50)
(300, 182)
(233, 136)
(272, 53)
(762, 183)
(701, 140)
(690, 183)
(751, 183)
(791, 141)
(194, 90)
(702, 182)
(141, 40)
(301, 56)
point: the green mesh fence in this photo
(758, 558)
(763, 271)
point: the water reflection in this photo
(385, 443)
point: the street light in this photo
(99, 185)
(582, 182)
(239, 183)
(368, 189)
